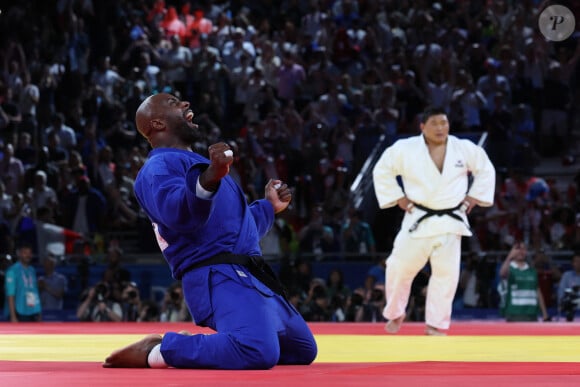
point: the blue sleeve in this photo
(170, 199)
(263, 214)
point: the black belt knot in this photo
(431, 212)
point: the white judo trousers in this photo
(408, 257)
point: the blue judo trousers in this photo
(256, 328)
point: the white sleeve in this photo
(385, 172)
(483, 171)
(201, 192)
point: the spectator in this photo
(24, 150)
(84, 208)
(500, 140)
(149, 311)
(52, 286)
(5, 203)
(357, 236)
(570, 280)
(234, 49)
(22, 298)
(372, 310)
(196, 26)
(377, 271)
(97, 305)
(106, 78)
(469, 282)
(278, 241)
(43, 163)
(468, 102)
(11, 171)
(67, 136)
(523, 299)
(354, 306)
(177, 65)
(120, 133)
(268, 62)
(335, 285)
(5, 262)
(549, 275)
(172, 25)
(492, 84)
(297, 277)
(131, 303)
(11, 114)
(173, 307)
(555, 112)
(316, 239)
(291, 78)
(29, 99)
(316, 306)
(525, 155)
(56, 152)
(41, 195)
(116, 276)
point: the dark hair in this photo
(25, 245)
(431, 111)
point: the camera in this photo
(101, 292)
(570, 302)
(377, 295)
(175, 296)
(132, 294)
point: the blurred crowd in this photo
(302, 90)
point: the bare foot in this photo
(394, 325)
(432, 331)
(133, 355)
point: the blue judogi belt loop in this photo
(431, 212)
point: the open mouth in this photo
(188, 115)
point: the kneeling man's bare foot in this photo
(133, 355)
(394, 325)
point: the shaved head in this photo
(143, 116)
(165, 121)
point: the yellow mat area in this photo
(332, 348)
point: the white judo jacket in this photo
(423, 183)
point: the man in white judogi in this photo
(436, 198)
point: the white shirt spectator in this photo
(66, 135)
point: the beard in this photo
(187, 132)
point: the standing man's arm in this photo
(542, 305)
(505, 267)
(10, 289)
(482, 190)
(12, 308)
(389, 193)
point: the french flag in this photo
(48, 238)
(55, 239)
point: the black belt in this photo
(431, 212)
(255, 265)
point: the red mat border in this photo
(472, 374)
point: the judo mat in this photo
(489, 353)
